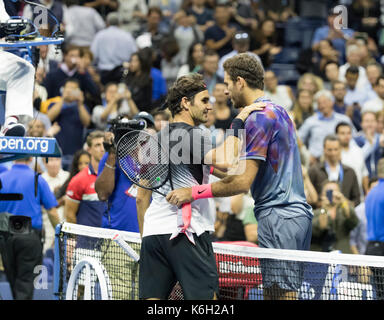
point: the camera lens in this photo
(17, 225)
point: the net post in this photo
(56, 263)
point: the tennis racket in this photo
(145, 162)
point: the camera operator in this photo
(114, 187)
(333, 221)
(21, 253)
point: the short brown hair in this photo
(247, 67)
(94, 135)
(184, 87)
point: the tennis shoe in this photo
(13, 129)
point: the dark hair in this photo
(74, 170)
(331, 62)
(184, 86)
(74, 80)
(372, 181)
(247, 67)
(190, 61)
(342, 124)
(331, 137)
(353, 70)
(378, 80)
(155, 9)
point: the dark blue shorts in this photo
(275, 231)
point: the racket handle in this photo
(186, 210)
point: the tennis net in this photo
(95, 263)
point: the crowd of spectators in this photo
(120, 56)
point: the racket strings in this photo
(142, 159)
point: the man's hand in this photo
(258, 106)
(180, 196)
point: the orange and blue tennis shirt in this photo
(81, 189)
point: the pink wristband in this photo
(211, 170)
(203, 191)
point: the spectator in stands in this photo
(152, 34)
(333, 221)
(71, 67)
(81, 24)
(224, 114)
(194, 61)
(374, 208)
(73, 117)
(118, 102)
(219, 36)
(240, 43)
(358, 236)
(332, 31)
(371, 142)
(22, 253)
(161, 118)
(332, 169)
(82, 205)
(315, 61)
(103, 7)
(373, 70)
(133, 14)
(55, 176)
(355, 95)
(331, 70)
(339, 91)
(185, 34)
(278, 93)
(353, 53)
(209, 70)
(302, 107)
(111, 47)
(352, 156)
(139, 80)
(323, 122)
(81, 159)
(311, 82)
(49, 59)
(201, 14)
(364, 16)
(376, 104)
(171, 59)
(264, 42)
(380, 122)
(90, 67)
(56, 7)
(325, 54)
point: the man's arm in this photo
(55, 110)
(227, 187)
(53, 216)
(70, 210)
(225, 156)
(143, 200)
(105, 182)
